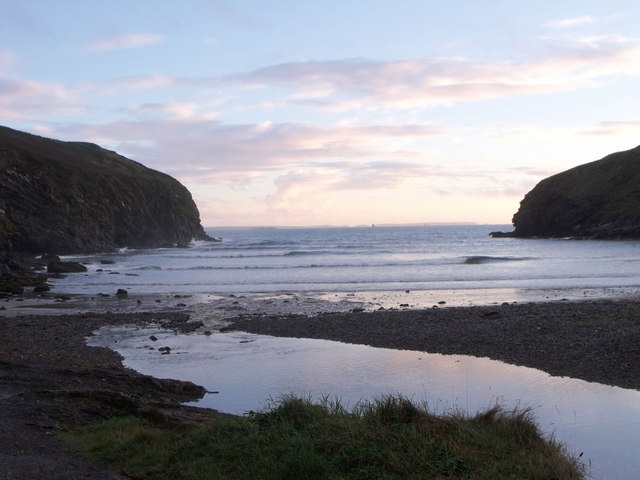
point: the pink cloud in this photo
(126, 41)
(566, 65)
(614, 128)
(7, 58)
(135, 84)
(572, 22)
(214, 146)
(20, 99)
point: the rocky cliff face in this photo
(600, 199)
(73, 197)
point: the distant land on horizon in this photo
(363, 225)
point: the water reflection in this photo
(601, 421)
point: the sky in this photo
(345, 112)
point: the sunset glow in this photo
(331, 113)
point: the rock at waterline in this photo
(76, 197)
(65, 267)
(599, 200)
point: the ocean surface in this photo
(456, 264)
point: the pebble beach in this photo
(597, 341)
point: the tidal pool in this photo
(245, 370)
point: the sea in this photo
(311, 270)
(459, 265)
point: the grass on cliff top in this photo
(297, 439)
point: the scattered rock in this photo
(65, 267)
(122, 292)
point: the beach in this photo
(51, 378)
(597, 341)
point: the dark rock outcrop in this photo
(75, 197)
(599, 200)
(65, 267)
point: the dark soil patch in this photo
(50, 379)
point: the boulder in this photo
(65, 267)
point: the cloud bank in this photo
(367, 134)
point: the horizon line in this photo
(361, 225)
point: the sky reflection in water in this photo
(246, 370)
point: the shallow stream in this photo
(246, 370)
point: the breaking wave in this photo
(478, 259)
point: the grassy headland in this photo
(297, 439)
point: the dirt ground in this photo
(50, 379)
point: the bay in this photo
(310, 270)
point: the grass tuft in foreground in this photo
(390, 438)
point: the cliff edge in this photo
(74, 197)
(599, 200)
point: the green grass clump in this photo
(295, 438)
